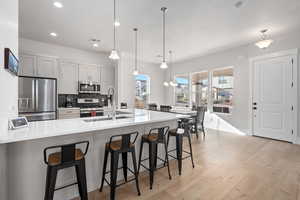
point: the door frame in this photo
(293, 53)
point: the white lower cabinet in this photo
(68, 78)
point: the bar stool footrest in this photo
(65, 186)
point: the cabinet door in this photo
(68, 78)
(27, 65)
(89, 73)
(46, 67)
(107, 78)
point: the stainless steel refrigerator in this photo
(37, 98)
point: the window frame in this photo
(188, 75)
(148, 89)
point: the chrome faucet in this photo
(111, 102)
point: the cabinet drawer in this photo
(68, 112)
(69, 116)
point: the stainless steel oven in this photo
(89, 87)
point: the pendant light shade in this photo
(166, 84)
(114, 53)
(264, 41)
(135, 72)
(164, 65)
(172, 81)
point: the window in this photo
(200, 88)
(182, 90)
(222, 90)
(142, 90)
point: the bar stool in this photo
(116, 147)
(69, 156)
(179, 133)
(153, 138)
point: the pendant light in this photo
(172, 82)
(114, 53)
(164, 65)
(264, 41)
(135, 72)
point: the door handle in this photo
(254, 108)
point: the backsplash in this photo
(70, 100)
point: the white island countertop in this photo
(46, 129)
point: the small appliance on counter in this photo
(88, 87)
(37, 98)
(123, 105)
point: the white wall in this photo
(126, 82)
(8, 82)
(239, 58)
(63, 52)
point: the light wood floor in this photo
(228, 167)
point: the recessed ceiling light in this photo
(117, 23)
(239, 4)
(95, 45)
(58, 4)
(53, 34)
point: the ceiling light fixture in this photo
(95, 42)
(164, 65)
(117, 23)
(114, 53)
(58, 4)
(264, 41)
(135, 72)
(53, 34)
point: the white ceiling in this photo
(194, 27)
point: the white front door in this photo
(272, 98)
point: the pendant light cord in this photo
(114, 24)
(135, 30)
(164, 34)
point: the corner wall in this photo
(8, 82)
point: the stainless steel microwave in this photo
(88, 87)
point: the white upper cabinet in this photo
(46, 67)
(68, 78)
(89, 73)
(40, 66)
(107, 78)
(27, 65)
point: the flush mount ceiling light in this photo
(264, 41)
(135, 72)
(53, 34)
(114, 53)
(58, 4)
(95, 42)
(164, 65)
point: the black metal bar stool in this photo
(116, 147)
(197, 121)
(156, 136)
(68, 156)
(182, 131)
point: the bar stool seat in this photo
(116, 145)
(55, 158)
(151, 138)
(173, 132)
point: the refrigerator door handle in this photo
(33, 93)
(36, 95)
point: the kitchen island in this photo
(26, 171)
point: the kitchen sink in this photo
(105, 119)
